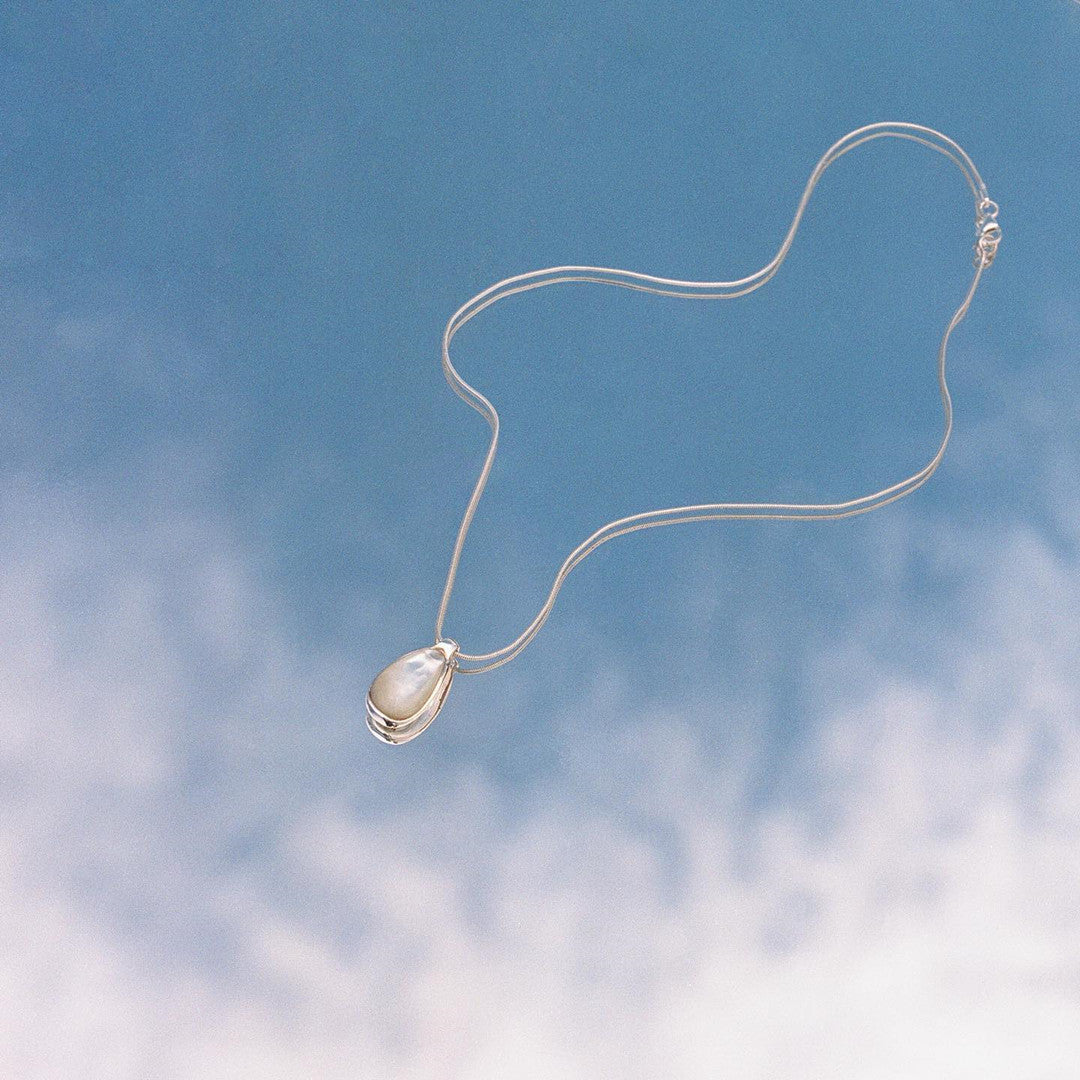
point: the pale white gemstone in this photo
(401, 690)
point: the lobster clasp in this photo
(987, 233)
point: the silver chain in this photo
(988, 237)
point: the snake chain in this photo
(988, 235)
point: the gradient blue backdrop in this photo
(246, 225)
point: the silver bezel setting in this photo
(396, 732)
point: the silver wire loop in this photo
(988, 237)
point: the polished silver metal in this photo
(987, 233)
(988, 236)
(389, 724)
(395, 726)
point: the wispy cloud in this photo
(191, 889)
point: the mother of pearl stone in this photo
(406, 696)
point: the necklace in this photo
(406, 696)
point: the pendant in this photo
(406, 696)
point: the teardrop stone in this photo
(402, 690)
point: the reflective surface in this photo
(408, 694)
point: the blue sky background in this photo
(777, 800)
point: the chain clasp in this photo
(987, 233)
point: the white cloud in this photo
(180, 899)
